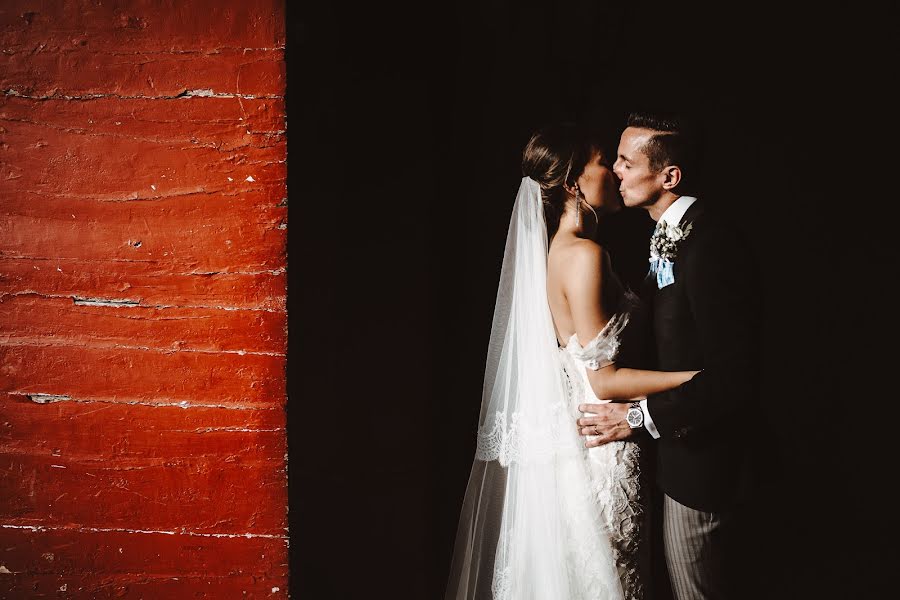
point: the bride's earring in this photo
(577, 206)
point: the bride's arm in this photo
(584, 293)
(613, 383)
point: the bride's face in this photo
(599, 185)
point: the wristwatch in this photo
(635, 416)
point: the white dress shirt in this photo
(672, 216)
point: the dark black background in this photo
(406, 125)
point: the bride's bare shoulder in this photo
(579, 256)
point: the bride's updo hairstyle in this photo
(556, 156)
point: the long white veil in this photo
(528, 503)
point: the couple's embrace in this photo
(557, 502)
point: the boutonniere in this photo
(664, 247)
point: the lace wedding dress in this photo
(543, 517)
(617, 484)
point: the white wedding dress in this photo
(599, 490)
(545, 518)
(617, 486)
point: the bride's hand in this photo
(607, 423)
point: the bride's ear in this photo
(572, 190)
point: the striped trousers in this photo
(694, 547)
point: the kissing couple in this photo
(585, 378)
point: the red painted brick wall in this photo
(142, 299)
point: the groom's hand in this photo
(607, 423)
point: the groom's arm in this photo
(722, 290)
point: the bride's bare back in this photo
(580, 278)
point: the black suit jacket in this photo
(707, 319)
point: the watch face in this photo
(635, 417)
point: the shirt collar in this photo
(673, 214)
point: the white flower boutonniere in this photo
(664, 247)
(666, 239)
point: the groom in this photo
(703, 297)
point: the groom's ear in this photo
(671, 177)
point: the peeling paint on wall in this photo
(143, 222)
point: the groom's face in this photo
(640, 185)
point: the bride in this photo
(544, 517)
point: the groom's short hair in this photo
(676, 141)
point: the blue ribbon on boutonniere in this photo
(664, 247)
(665, 274)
